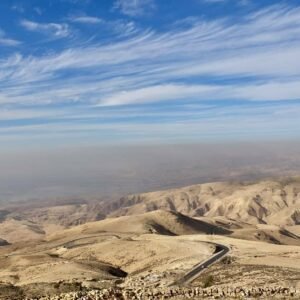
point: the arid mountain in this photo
(173, 223)
(229, 206)
(64, 215)
(153, 239)
(16, 230)
(101, 250)
(265, 202)
(273, 234)
(160, 222)
(31, 223)
(139, 250)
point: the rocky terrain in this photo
(273, 202)
(138, 246)
(274, 292)
(264, 202)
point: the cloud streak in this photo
(264, 47)
(253, 60)
(54, 29)
(86, 20)
(5, 41)
(134, 8)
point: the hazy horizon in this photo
(114, 171)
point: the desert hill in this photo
(63, 215)
(265, 202)
(160, 222)
(225, 205)
(174, 223)
(147, 239)
(16, 230)
(31, 223)
(26, 268)
(273, 234)
(268, 233)
(107, 249)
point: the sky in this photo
(90, 72)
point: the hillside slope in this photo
(160, 222)
(265, 202)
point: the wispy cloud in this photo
(38, 10)
(255, 59)
(159, 93)
(238, 2)
(264, 46)
(86, 19)
(134, 7)
(244, 2)
(5, 41)
(214, 1)
(19, 8)
(55, 29)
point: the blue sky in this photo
(148, 71)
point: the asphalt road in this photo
(221, 251)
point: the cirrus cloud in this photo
(134, 7)
(54, 29)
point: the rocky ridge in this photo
(268, 292)
(265, 202)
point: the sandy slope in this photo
(98, 257)
(258, 253)
(294, 229)
(14, 230)
(90, 257)
(28, 268)
(97, 249)
(161, 222)
(113, 248)
(174, 223)
(285, 235)
(32, 223)
(227, 205)
(63, 215)
(269, 202)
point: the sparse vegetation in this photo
(208, 281)
(227, 260)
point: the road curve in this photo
(220, 252)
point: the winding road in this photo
(220, 252)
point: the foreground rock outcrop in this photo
(271, 292)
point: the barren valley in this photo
(142, 245)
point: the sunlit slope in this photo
(265, 202)
(160, 222)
